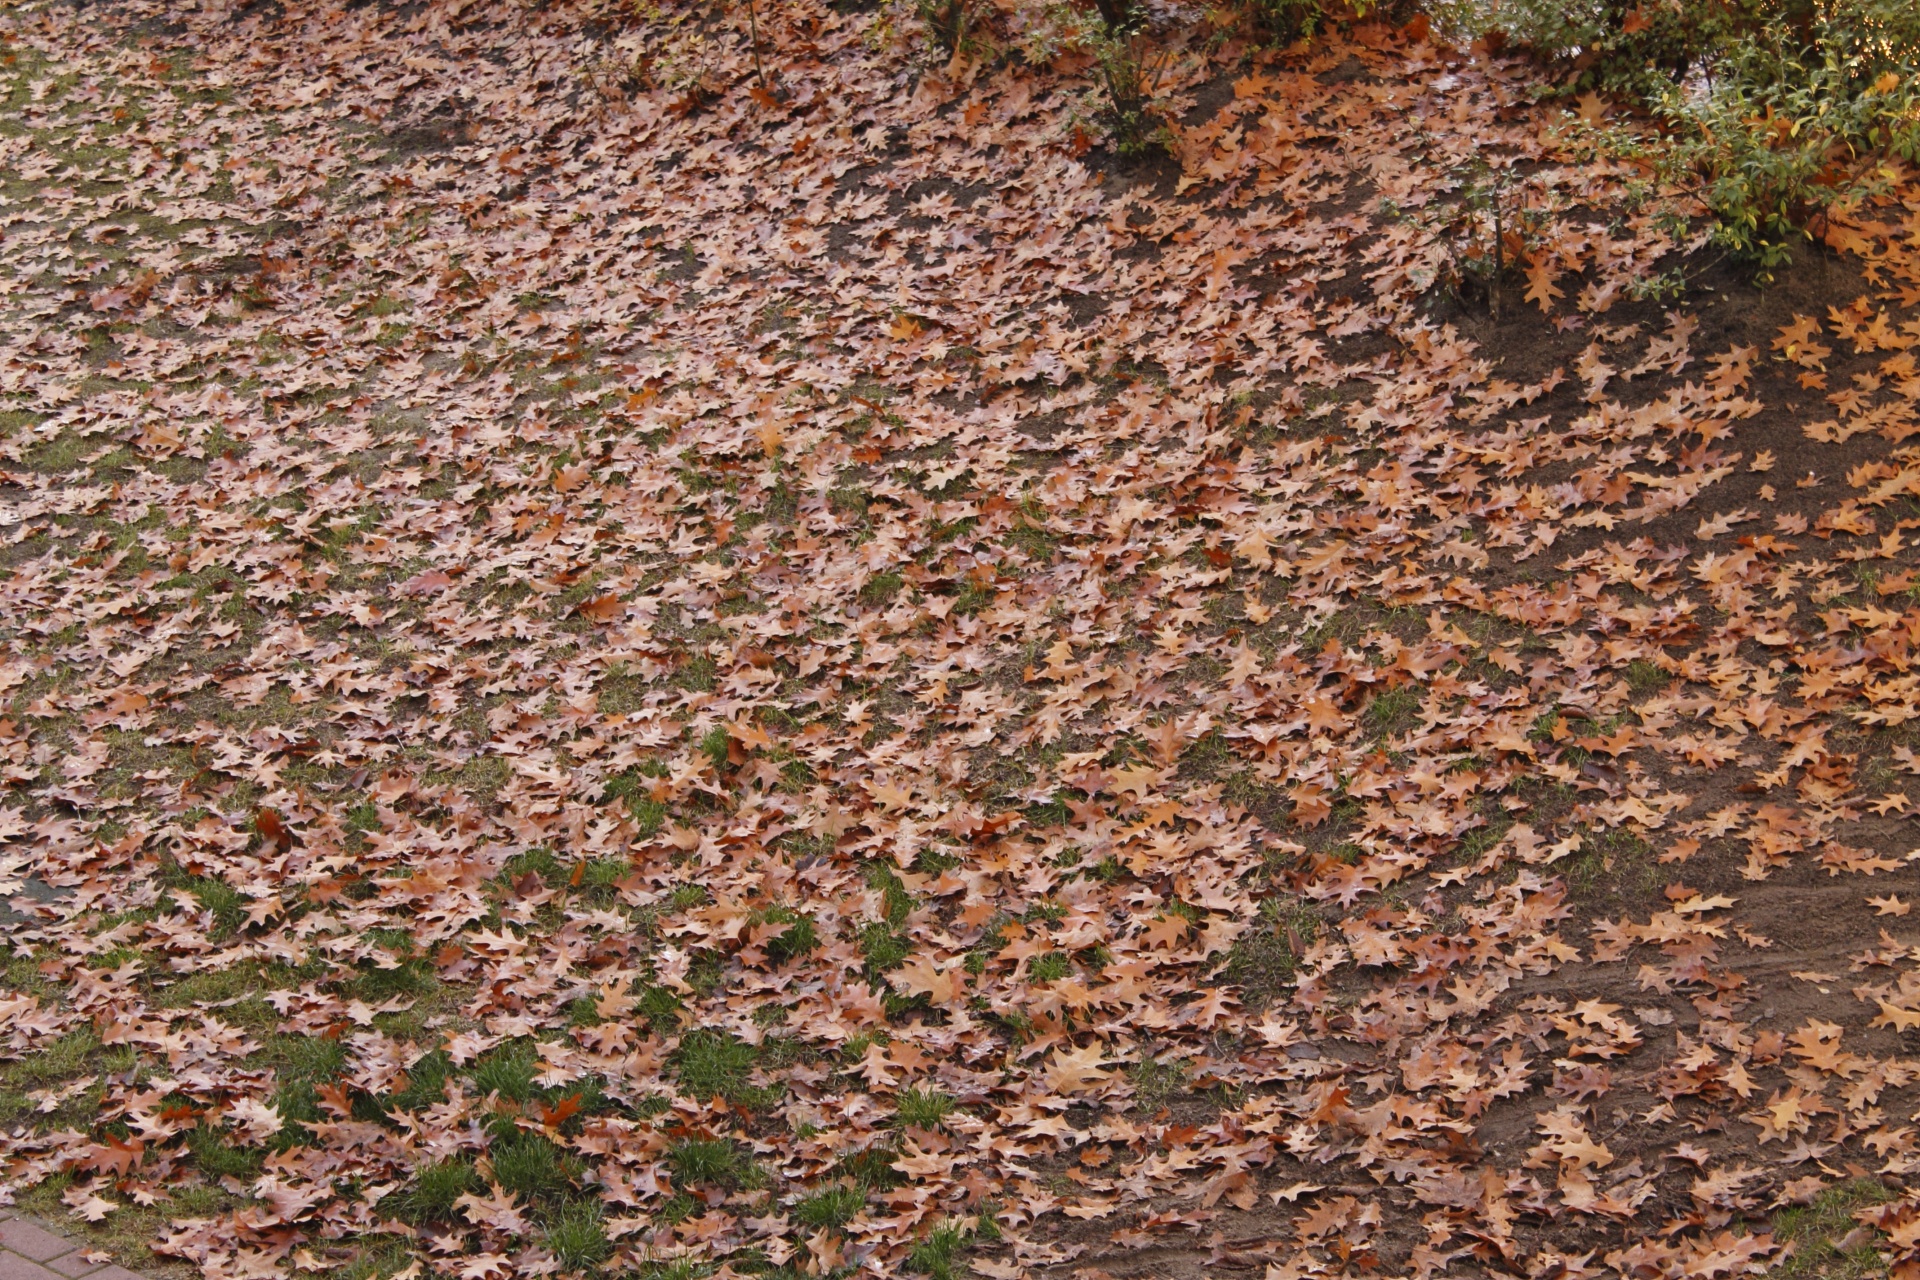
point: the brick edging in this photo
(34, 1250)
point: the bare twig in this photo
(753, 26)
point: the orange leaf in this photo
(602, 608)
(272, 829)
(1540, 286)
(557, 1114)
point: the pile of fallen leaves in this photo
(613, 664)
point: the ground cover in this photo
(617, 664)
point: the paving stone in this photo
(15, 1267)
(29, 1238)
(33, 1250)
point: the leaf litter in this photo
(638, 672)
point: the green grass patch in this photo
(426, 1083)
(882, 948)
(881, 588)
(436, 1187)
(1818, 1230)
(216, 1158)
(1051, 967)
(922, 1108)
(577, 1236)
(508, 1071)
(705, 1161)
(1155, 1081)
(832, 1208)
(800, 936)
(872, 1169)
(1392, 711)
(533, 1167)
(711, 1064)
(935, 1254)
(1644, 678)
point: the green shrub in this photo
(949, 22)
(1778, 110)
(1799, 123)
(1129, 66)
(1631, 47)
(1285, 21)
